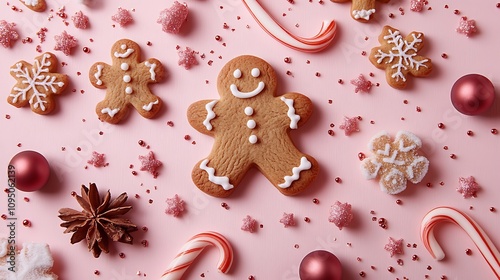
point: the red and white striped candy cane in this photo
(476, 233)
(278, 32)
(193, 248)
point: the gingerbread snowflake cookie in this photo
(35, 5)
(33, 262)
(251, 126)
(126, 81)
(362, 10)
(395, 162)
(399, 56)
(37, 84)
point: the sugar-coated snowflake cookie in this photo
(395, 162)
(250, 124)
(35, 5)
(362, 10)
(33, 262)
(126, 81)
(37, 84)
(399, 57)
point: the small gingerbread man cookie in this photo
(395, 162)
(362, 10)
(37, 84)
(399, 57)
(35, 5)
(126, 81)
(251, 128)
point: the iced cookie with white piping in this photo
(362, 10)
(126, 82)
(251, 126)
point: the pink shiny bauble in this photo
(320, 265)
(472, 94)
(32, 170)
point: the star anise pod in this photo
(99, 221)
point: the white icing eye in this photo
(255, 72)
(237, 73)
(123, 46)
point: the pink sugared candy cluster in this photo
(187, 58)
(122, 17)
(8, 34)
(249, 224)
(287, 220)
(172, 18)
(80, 20)
(65, 43)
(341, 214)
(175, 206)
(150, 164)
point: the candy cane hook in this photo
(275, 30)
(193, 248)
(476, 233)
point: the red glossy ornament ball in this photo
(31, 170)
(472, 94)
(320, 265)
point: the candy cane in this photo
(275, 30)
(448, 214)
(193, 248)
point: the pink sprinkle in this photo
(361, 84)
(417, 5)
(8, 34)
(187, 58)
(122, 17)
(394, 246)
(97, 160)
(349, 125)
(175, 206)
(467, 186)
(172, 18)
(467, 27)
(287, 220)
(249, 224)
(340, 214)
(80, 20)
(150, 164)
(65, 43)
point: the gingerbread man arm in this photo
(200, 114)
(100, 75)
(298, 108)
(155, 69)
(361, 10)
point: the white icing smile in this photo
(255, 72)
(237, 93)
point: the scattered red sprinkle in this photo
(400, 262)
(338, 180)
(494, 131)
(444, 55)
(399, 201)
(224, 205)
(470, 133)
(390, 269)
(145, 243)
(121, 255)
(287, 60)
(382, 222)
(414, 258)
(86, 50)
(419, 109)
(405, 101)
(307, 219)
(96, 272)
(445, 148)
(340, 81)
(363, 53)
(27, 199)
(331, 132)
(456, 12)
(468, 252)
(391, 15)
(492, 209)
(453, 156)
(4, 217)
(441, 125)
(26, 223)
(315, 201)
(361, 156)
(134, 173)
(187, 137)
(362, 274)
(8, 117)
(218, 38)
(170, 123)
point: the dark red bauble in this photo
(31, 169)
(320, 265)
(472, 94)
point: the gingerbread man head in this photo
(250, 124)
(126, 81)
(246, 77)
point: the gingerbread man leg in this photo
(112, 110)
(146, 104)
(219, 173)
(289, 170)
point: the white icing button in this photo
(251, 124)
(124, 66)
(255, 72)
(123, 46)
(127, 78)
(128, 90)
(252, 139)
(237, 73)
(248, 111)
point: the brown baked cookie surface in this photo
(251, 126)
(126, 82)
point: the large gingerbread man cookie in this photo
(251, 126)
(126, 81)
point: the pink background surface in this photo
(270, 253)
